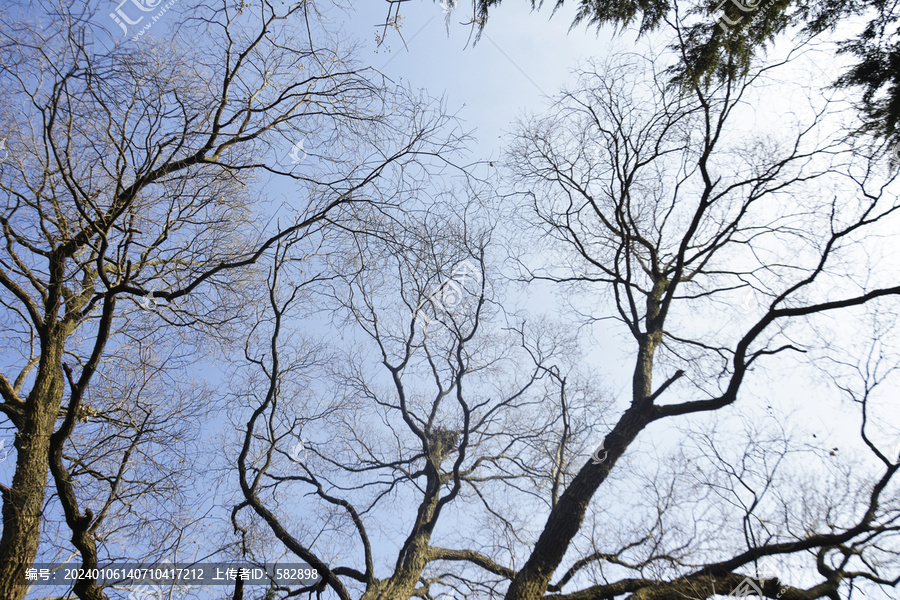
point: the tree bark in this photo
(566, 517)
(23, 501)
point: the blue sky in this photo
(522, 57)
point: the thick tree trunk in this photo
(566, 518)
(402, 584)
(415, 552)
(23, 501)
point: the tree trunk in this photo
(566, 517)
(23, 501)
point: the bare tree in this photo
(411, 456)
(137, 172)
(662, 215)
(431, 416)
(651, 202)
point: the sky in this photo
(522, 58)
